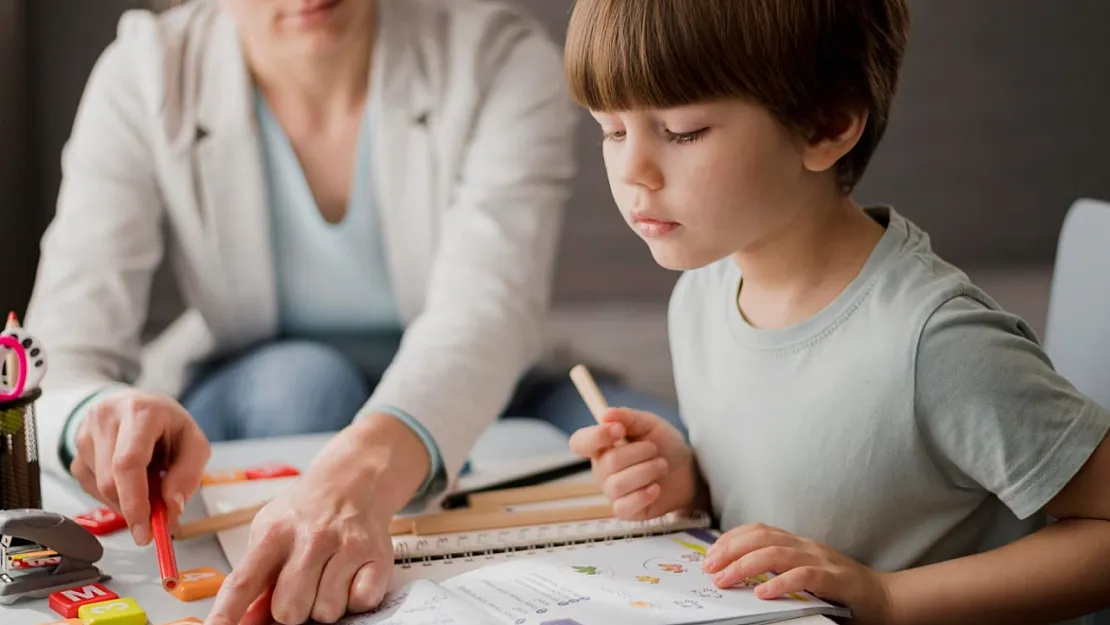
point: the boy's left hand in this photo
(800, 565)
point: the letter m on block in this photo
(84, 593)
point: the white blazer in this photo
(472, 165)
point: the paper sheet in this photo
(656, 581)
(421, 603)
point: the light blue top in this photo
(331, 279)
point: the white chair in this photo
(1077, 331)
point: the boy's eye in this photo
(613, 135)
(686, 137)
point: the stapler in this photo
(69, 552)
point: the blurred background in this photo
(1001, 123)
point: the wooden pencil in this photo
(589, 391)
(218, 522)
(243, 516)
(450, 522)
(533, 494)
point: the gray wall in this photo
(1001, 122)
(18, 224)
(999, 125)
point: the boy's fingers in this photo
(635, 506)
(626, 456)
(777, 559)
(590, 441)
(813, 579)
(637, 423)
(634, 478)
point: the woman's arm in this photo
(99, 252)
(482, 324)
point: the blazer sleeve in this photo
(482, 325)
(100, 250)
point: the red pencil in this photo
(160, 526)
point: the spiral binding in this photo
(514, 542)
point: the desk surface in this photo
(134, 570)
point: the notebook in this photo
(438, 556)
(655, 579)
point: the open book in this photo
(653, 580)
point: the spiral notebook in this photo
(437, 555)
(656, 580)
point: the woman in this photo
(362, 200)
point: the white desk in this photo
(134, 570)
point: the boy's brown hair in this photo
(807, 61)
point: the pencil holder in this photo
(19, 453)
(23, 364)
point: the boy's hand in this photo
(643, 463)
(800, 565)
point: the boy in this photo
(863, 420)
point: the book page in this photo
(421, 603)
(656, 580)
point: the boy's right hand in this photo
(116, 443)
(643, 463)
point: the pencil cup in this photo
(19, 453)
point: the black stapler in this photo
(61, 552)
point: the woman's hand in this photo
(800, 565)
(644, 465)
(116, 443)
(323, 549)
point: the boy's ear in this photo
(821, 155)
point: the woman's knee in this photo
(293, 387)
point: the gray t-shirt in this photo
(910, 421)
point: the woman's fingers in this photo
(332, 595)
(139, 432)
(259, 611)
(368, 586)
(252, 577)
(297, 585)
(191, 452)
(85, 477)
(103, 436)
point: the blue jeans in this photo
(290, 387)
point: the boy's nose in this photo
(640, 167)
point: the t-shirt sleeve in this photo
(993, 410)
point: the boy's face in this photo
(702, 182)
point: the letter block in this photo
(198, 584)
(68, 621)
(101, 521)
(270, 471)
(66, 602)
(121, 611)
(223, 477)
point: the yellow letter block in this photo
(199, 584)
(122, 611)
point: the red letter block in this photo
(101, 521)
(66, 602)
(269, 471)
